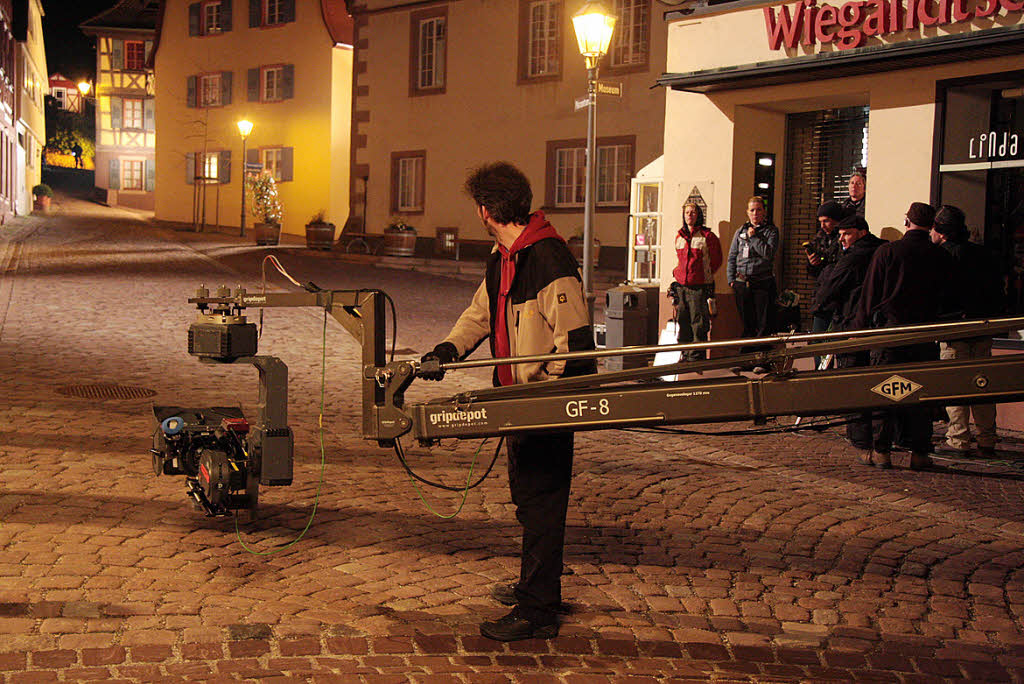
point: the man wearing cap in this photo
(983, 295)
(822, 252)
(910, 281)
(839, 288)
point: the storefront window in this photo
(982, 168)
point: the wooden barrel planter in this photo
(267, 233)
(399, 243)
(319, 235)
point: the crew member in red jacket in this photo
(700, 255)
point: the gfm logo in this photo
(896, 388)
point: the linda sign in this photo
(850, 24)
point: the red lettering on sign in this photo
(787, 27)
(1011, 6)
(850, 16)
(826, 19)
(877, 19)
(960, 11)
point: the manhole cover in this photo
(105, 392)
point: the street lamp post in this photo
(593, 26)
(245, 128)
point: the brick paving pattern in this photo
(768, 557)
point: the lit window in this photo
(543, 41)
(614, 169)
(132, 174)
(132, 113)
(631, 38)
(212, 17)
(570, 176)
(271, 159)
(273, 79)
(209, 90)
(134, 55)
(430, 53)
(210, 174)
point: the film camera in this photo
(224, 457)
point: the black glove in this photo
(675, 293)
(430, 364)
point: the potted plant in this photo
(266, 208)
(41, 196)
(575, 244)
(319, 232)
(399, 239)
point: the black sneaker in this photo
(504, 594)
(514, 627)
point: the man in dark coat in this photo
(983, 295)
(839, 288)
(909, 281)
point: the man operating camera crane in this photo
(530, 302)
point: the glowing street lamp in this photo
(84, 87)
(594, 27)
(244, 128)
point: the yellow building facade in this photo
(285, 66)
(31, 84)
(785, 99)
(442, 87)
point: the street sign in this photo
(582, 102)
(613, 89)
(253, 166)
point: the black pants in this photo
(755, 303)
(858, 430)
(912, 424)
(539, 477)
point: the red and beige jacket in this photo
(700, 255)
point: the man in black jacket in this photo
(909, 281)
(839, 288)
(983, 295)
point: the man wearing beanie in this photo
(984, 295)
(822, 252)
(909, 281)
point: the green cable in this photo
(323, 461)
(465, 492)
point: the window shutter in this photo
(252, 156)
(252, 78)
(190, 168)
(288, 7)
(225, 87)
(288, 81)
(225, 15)
(149, 50)
(115, 112)
(114, 182)
(193, 19)
(149, 114)
(190, 98)
(287, 163)
(117, 54)
(224, 166)
(150, 175)
(255, 12)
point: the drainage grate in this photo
(105, 392)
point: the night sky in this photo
(68, 50)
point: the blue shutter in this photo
(150, 175)
(252, 78)
(225, 15)
(224, 166)
(287, 163)
(190, 168)
(114, 182)
(225, 87)
(149, 114)
(117, 54)
(255, 13)
(194, 27)
(289, 10)
(190, 98)
(115, 112)
(288, 81)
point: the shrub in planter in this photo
(41, 196)
(399, 239)
(319, 232)
(266, 208)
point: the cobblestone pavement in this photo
(768, 557)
